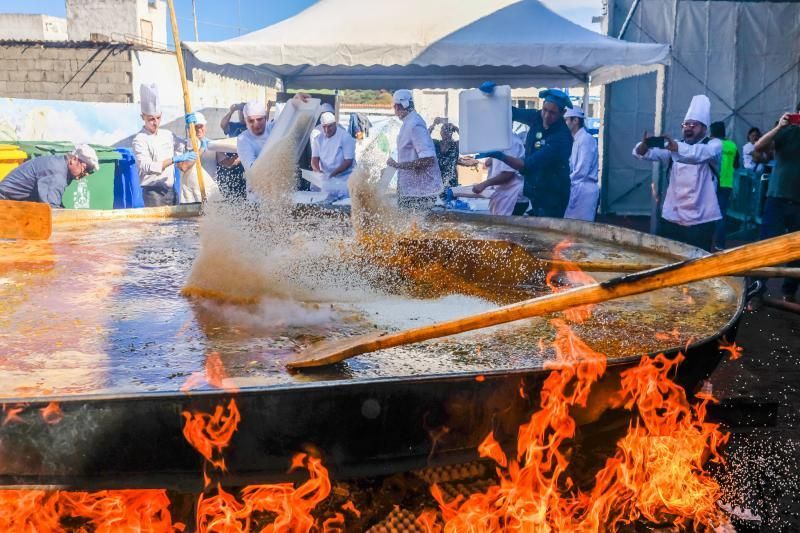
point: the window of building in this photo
(146, 30)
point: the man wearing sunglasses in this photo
(44, 178)
(691, 208)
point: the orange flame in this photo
(12, 414)
(213, 375)
(351, 507)
(656, 473)
(734, 351)
(104, 511)
(491, 448)
(52, 413)
(575, 276)
(291, 506)
(210, 434)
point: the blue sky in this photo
(219, 20)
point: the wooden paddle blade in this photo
(734, 261)
(25, 220)
(334, 351)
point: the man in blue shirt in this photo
(44, 178)
(548, 147)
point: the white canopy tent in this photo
(384, 44)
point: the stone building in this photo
(101, 52)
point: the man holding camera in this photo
(691, 208)
(782, 205)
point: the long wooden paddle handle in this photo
(187, 102)
(610, 266)
(769, 252)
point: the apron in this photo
(583, 197)
(505, 197)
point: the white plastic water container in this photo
(294, 113)
(484, 120)
(227, 144)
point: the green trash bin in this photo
(95, 191)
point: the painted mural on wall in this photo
(78, 122)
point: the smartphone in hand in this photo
(655, 142)
(794, 119)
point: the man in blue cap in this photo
(545, 165)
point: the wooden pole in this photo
(187, 103)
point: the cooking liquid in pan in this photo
(99, 310)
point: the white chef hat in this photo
(575, 112)
(149, 100)
(255, 109)
(201, 118)
(402, 97)
(86, 153)
(699, 110)
(327, 118)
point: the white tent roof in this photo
(371, 44)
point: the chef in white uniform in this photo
(584, 191)
(323, 108)
(190, 185)
(419, 180)
(333, 153)
(506, 181)
(250, 142)
(690, 206)
(156, 151)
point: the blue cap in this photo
(560, 98)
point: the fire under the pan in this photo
(98, 309)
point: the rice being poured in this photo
(264, 250)
(261, 249)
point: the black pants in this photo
(699, 235)
(724, 198)
(782, 216)
(158, 196)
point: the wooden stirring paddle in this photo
(751, 256)
(25, 220)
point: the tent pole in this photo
(658, 129)
(628, 18)
(187, 103)
(586, 98)
(194, 16)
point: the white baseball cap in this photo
(402, 97)
(575, 112)
(255, 109)
(87, 155)
(327, 118)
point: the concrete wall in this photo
(32, 27)
(116, 17)
(207, 90)
(103, 73)
(93, 74)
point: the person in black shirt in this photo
(447, 152)
(548, 147)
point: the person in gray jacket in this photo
(44, 178)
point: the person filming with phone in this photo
(691, 208)
(782, 205)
